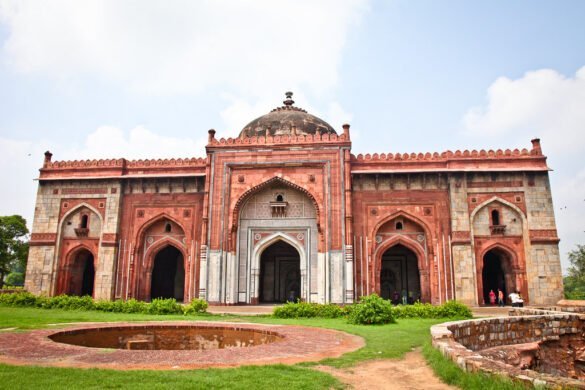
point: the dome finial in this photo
(288, 102)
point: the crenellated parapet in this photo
(459, 160)
(279, 140)
(113, 168)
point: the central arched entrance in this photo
(280, 273)
(168, 274)
(496, 274)
(399, 275)
(82, 274)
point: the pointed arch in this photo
(254, 282)
(66, 265)
(75, 250)
(275, 180)
(418, 251)
(149, 267)
(503, 248)
(511, 273)
(480, 206)
(405, 215)
(159, 245)
(76, 208)
(278, 236)
(404, 241)
(159, 217)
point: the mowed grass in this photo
(249, 377)
(32, 318)
(382, 342)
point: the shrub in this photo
(330, 310)
(454, 309)
(308, 310)
(19, 299)
(371, 310)
(116, 306)
(133, 305)
(164, 306)
(68, 302)
(449, 309)
(295, 310)
(196, 306)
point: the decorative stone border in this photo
(460, 341)
(297, 344)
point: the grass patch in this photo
(32, 318)
(451, 374)
(249, 377)
(389, 341)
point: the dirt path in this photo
(412, 372)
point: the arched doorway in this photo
(496, 274)
(280, 273)
(168, 274)
(399, 274)
(82, 275)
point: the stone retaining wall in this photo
(460, 341)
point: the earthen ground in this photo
(411, 372)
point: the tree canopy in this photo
(13, 245)
(575, 281)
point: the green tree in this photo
(575, 281)
(13, 245)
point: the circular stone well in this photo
(173, 345)
(166, 337)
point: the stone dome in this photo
(286, 120)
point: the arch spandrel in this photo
(410, 225)
(235, 215)
(508, 216)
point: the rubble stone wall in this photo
(556, 333)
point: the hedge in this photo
(375, 307)
(68, 302)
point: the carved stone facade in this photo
(285, 211)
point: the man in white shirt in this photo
(516, 299)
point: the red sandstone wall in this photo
(140, 211)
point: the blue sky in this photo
(149, 78)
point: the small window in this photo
(279, 198)
(84, 221)
(399, 225)
(168, 228)
(495, 217)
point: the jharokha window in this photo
(496, 225)
(83, 229)
(84, 221)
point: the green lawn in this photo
(386, 341)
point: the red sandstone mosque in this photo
(285, 211)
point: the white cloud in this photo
(138, 143)
(542, 103)
(183, 46)
(22, 159)
(546, 104)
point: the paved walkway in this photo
(243, 310)
(254, 310)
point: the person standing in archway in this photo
(492, 297)
(501, 302)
